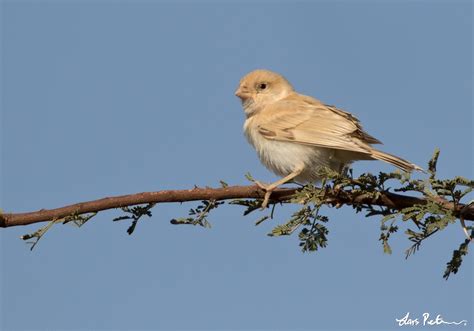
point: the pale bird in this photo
(296, 135)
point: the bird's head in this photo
(260, 88)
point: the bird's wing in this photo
(304, 120)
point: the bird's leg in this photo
(271, 187)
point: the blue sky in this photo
(102, 98)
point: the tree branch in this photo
(333, 197)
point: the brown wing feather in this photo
(359, 133)
(305, 120)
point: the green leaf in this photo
(455, 263)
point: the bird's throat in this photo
(251, 107)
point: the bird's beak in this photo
(242, 92)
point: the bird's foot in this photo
(268, 192)
(260, 184)
(266, 199)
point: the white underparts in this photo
(283, 158)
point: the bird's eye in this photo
(262, 86)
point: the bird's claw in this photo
(268, 192)
(266, 199)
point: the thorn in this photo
(463, 223)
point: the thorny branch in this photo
(387, 199)
(437, 203)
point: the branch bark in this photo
(388, 199)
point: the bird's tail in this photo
(396, 161)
